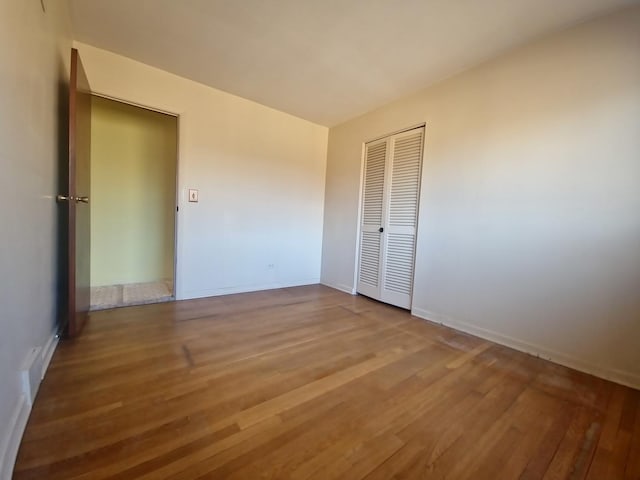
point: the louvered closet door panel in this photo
(374, 184)
(371, 245)
(398, 263)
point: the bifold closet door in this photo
(389, 217)
(371, 238)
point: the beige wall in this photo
(34, 62)
(529, 226)
(260, 173)
(133, 193)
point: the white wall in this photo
(260, 175)
(34, 58)
(529, 226)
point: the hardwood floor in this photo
(312, 383)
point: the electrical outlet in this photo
(193, 195)
(271, 266)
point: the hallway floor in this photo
(112, 296)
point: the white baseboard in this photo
(9, 448)
(48, 351)
(243, 289)
(18, 422)
(340, 286)
(618, 376)
(31, 373)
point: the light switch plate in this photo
(193, 195)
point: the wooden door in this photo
(76, 200)
(389, 217)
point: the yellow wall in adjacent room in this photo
(133, 181)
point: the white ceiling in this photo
(322, 60)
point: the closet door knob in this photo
(381, 229)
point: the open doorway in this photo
(133, 205)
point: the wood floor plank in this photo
(312, 383)
(573, 454)
(632, 467)
(540, 460)
(309, 418)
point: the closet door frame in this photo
(387, 187)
